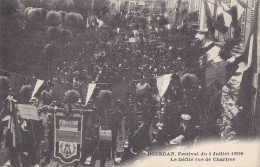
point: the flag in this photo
(206, 15)
(211, 6)
(216, 72)
(91, 88)
(225, 7)
(237, 8)
(163, 83)
(119, 91)
(212, 55)
(227, 19)
(37, 88)
(223, 20)
(240, 9)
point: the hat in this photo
(185, 117)
(4, 82)
(142, 89)
(189, 81)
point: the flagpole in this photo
(92, 7)
(119, 5)
(245, 21)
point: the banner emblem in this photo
(68, 138)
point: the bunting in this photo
(163, 83)
(238, 7)
(91, 88)
(212, 6)
(37, 86)
(227, 19)
(223, 20)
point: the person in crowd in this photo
(186, 131)
(28, 149)
(8, 112)
(115, 123)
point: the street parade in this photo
(105, 83)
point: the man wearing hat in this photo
(186, 133)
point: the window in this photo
(242, 30)
(251, 16)
(253, 3)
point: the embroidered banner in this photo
(68, 138)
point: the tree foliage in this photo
(9, 29)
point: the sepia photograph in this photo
(129, 83)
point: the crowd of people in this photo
(134, 54)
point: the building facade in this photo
(132, 4)
(247, 18)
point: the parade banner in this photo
(68, 138)
(28, 112)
